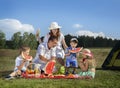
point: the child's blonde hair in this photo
(24, 48)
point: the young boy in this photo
(21, 63)
(71, 58)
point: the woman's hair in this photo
(57, 34)
(24, 48)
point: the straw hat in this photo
(87, 52)
(54, 25)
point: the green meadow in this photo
(103, 78)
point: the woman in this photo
(55, 31)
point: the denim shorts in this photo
(71, 63)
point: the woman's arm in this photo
(43, 58)
(64, 44)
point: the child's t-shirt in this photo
(19, 61)
(72, 55)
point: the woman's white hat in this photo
(54, 25)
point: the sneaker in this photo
(66, 73)
(73, 72)
(42, 72)
(9, 77)
(18, 76)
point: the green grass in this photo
(103, 78)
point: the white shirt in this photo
(45, 52)
(18, 62)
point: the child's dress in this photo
(88, 72)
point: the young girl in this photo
(87, 65)
(21, 62)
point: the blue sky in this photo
(92, 17)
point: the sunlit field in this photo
(103, 78)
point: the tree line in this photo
(18, 40)
(29, 39)
(86, 41)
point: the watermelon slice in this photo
(59, 76)
(49, 67)
(71, 76)
(76, 50)
(27, 57)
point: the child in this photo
(21, 62)
(87, 65)
(71, 58)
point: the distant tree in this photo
(16, 40)
(9, 44)
(32, 41)
(82, 41)
(29, 40)
(25, 38)
(67, 39)
(2, 39)
(87, 41)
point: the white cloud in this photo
(77, 26)
(89, 33)
(10, 26)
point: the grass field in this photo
(103, 78)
